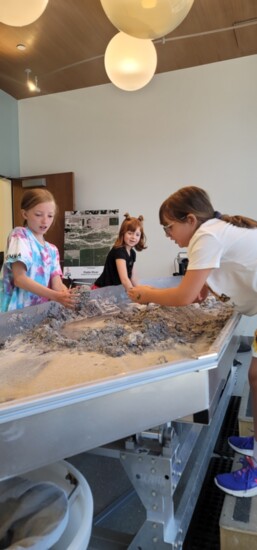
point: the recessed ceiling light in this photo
(21, 47)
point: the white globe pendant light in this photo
(130, 63)
(19, 13)
(146, 18)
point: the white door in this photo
(6, 216)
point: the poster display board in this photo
(88, 237)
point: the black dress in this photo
(110, 275)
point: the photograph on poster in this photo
(88, 237)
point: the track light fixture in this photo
(32, 84)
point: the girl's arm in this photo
(57, 284)
(134, 279)
(188, 291)
(123, 273)
(21, 280)
(203, 294)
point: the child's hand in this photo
(201, 297)
(138, 294)
(67, 298)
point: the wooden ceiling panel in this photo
(196, 51)
(65, 46)
(83, 75)
(246, 38)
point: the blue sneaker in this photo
(241, 483)
(242, 445)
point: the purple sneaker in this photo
(241, 483)
(242, 445)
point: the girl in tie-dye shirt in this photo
(31, 270)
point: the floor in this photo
(118, 510)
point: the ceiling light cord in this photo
(205, 33)
(162, 40)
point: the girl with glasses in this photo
(222, 259)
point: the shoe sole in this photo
(246, 493)
(246, 452)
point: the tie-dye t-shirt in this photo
(42, 264)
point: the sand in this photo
(83, 348)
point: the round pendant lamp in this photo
(19, 13)
(130, 62)
(146, 18)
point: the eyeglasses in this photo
(167, 227)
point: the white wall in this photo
(9, 138)
(130, 151)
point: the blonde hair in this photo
(131, 224)
(33, 197)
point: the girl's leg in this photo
(248, 445)
(252, 375)
(243, 482)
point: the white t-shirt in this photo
(232, 253)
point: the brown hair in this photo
(33, 197)
(194, 200)
(131, 224)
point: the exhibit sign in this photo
(88, 237)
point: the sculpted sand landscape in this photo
(103, 340)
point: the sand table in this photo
(104, 340)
